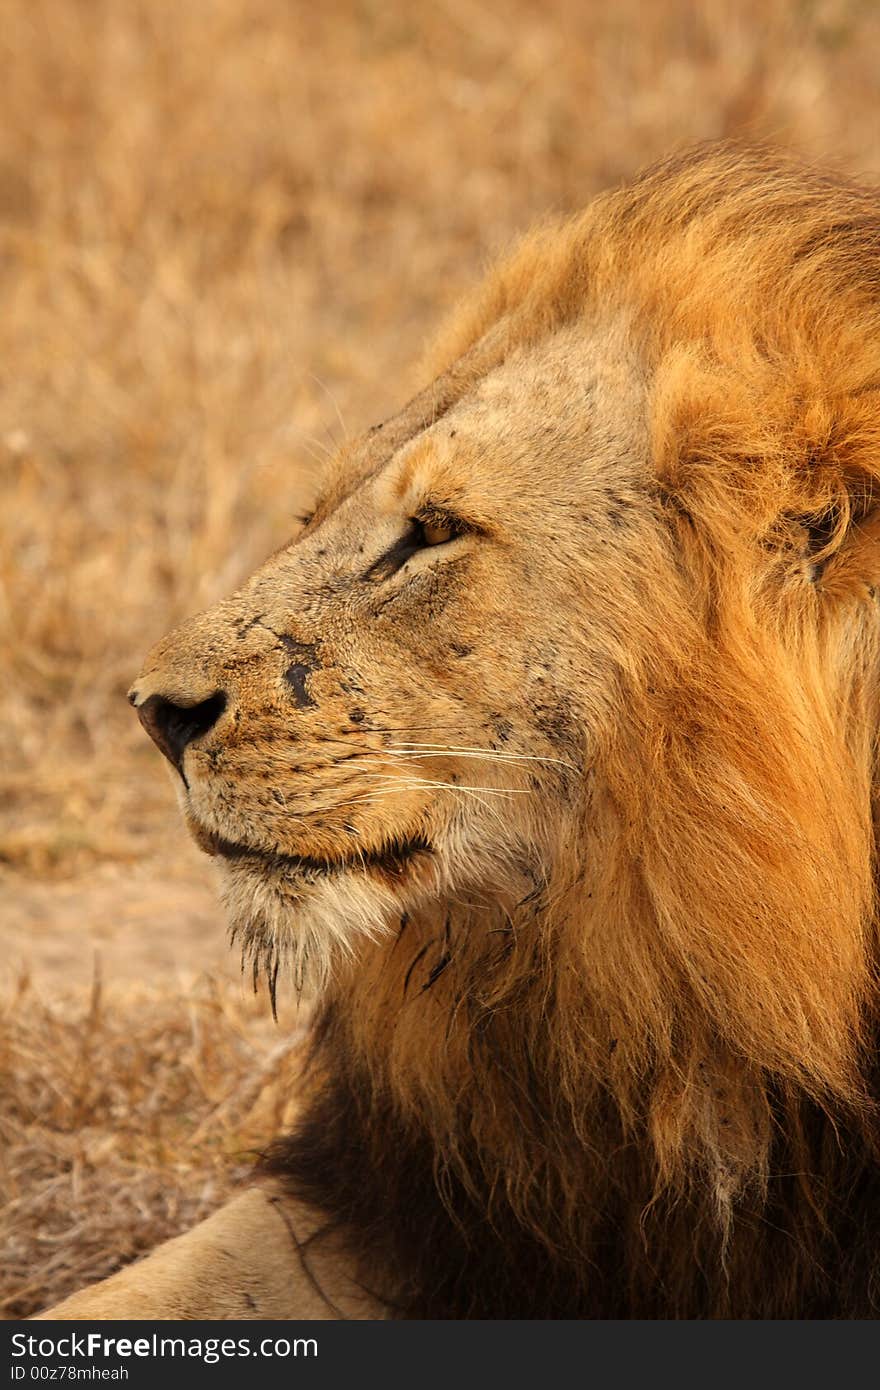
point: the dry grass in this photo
(225, 229)
(124, 1121)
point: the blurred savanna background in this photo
(226, 230)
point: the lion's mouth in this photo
(391, 858)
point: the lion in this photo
(544, 758)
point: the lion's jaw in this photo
(305, 924)
(396, 721)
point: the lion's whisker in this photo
(361, 730)
(438, 750)
(413, 782)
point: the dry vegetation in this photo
(225, 229)
(124, 1120)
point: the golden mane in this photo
(656, 1069)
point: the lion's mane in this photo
(649, 1090)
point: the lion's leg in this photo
(251, 1259)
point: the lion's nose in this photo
(174, 727)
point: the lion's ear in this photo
(837, 439)
(845, 552)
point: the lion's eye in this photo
(435, 532)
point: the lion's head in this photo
(547, 745)
(398, 707)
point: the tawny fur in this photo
(607, 1047)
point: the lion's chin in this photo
(301, 920)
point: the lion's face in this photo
(391, 706)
